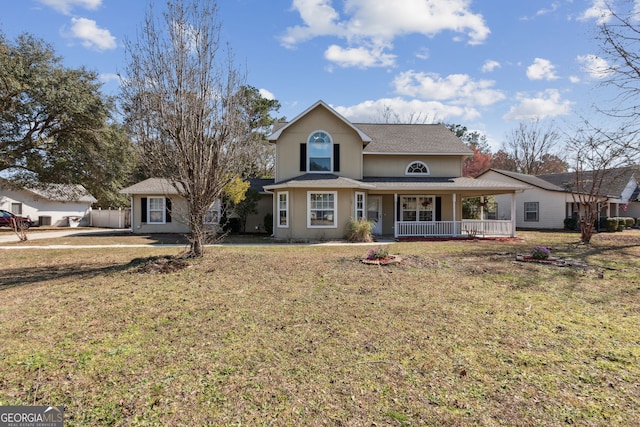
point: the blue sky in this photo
(486, 64)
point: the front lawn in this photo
(458, 333)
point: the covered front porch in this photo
(433, 208)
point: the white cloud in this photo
(490, 65)
(455, 88)
(109, 77)
(598, 11)
(574, 79)
(414, 110)
(545, 104)
(360, 57)
(92, 36)
(266, 94)
(375, 25)
(541, 69)
(596, 67)
(65, 6)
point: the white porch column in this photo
(513, 214)
(395, 215)
(455, 231)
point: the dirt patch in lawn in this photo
(159, 264)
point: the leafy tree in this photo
(247, 206)
(260, 121)
(531, 149)
(480, 161)
(186, 106)
(55, 125)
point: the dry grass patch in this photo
(457, 334)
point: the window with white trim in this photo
(283, 209)
(417, 208)
(531, 211)
(156, 210)
(212, 216)
(359, 205)
(322, 209)
(319, 151)
(417, 168)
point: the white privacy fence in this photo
(110, 218)
(467, 227)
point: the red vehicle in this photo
(6, 219)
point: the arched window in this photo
(320, 149)
(417, 168)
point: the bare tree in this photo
(597, 157)
(532, 149)
(185, 107)
(619, 39)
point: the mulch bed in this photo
(391, 259)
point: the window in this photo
(320, 150)
(417, 168)
(156, 210)
(359, 205)
(212, 216)
(322, 209)
(16, 208)
(283, 209)
(417, 208)
(531, 211)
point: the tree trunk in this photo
(196, 240)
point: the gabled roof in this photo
(54, 192)
(63, 193)
(279, 128)
(258, 184)
(393, 138)
(528, 179)
(614, 183)
(159, 186)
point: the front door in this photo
(374, 213)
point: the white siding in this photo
(551, 204)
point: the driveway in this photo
(34, 234)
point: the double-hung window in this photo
(531, 211)
(322, 209)
(283, 209)
(156, 210)
(320, 150)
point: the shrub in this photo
(571, 223)
(268, 223)
(540, 252)
(629, 222)
(611, 224)
(359, 230)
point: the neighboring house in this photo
(549, 200)
(48, 204)
(406, 178)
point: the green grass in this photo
(459, 333)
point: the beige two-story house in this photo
(406, 178)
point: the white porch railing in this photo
(466, 227)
